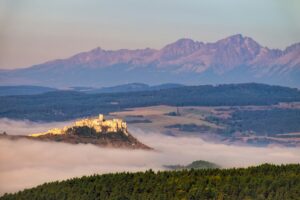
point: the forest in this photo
(267, 181)
(261, 122)
(66, 105)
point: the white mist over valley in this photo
(26, 163)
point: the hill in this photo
(261, 182)
(198, 164)
(65, 105)
(87, 135)
(130, 87)
(24, 90)
(97, 131)
(133, 87)
(234, 59)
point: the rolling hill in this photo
(133, 87)
(261, 182)
(198, 164)
(24, 90)
(65, 105)
(129, 87)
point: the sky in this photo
(34, 31)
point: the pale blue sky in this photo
(34, 31)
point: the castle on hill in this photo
(100, 124)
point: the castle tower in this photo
(101, 117)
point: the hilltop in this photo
(198, 164)
(96, 131)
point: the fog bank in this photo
(25, 127)
(25, 163)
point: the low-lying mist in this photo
(25, 127)
(25, 163)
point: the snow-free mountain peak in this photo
(236, 58)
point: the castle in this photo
(100, 124)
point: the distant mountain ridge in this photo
(129, 87)
(233, 59)
(133, 87)
(24, 90)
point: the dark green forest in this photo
(198, 164)
(262, 182)
(261, 122)
(65, 105)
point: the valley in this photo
(279, 124)
(150, 100)
(253, 114)
(69, 105)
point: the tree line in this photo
(262, 182)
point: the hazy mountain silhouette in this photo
(233, 59)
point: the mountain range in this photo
(234, 59)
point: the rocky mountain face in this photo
(233, 59)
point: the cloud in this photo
(25, 163)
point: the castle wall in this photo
(99, 124)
